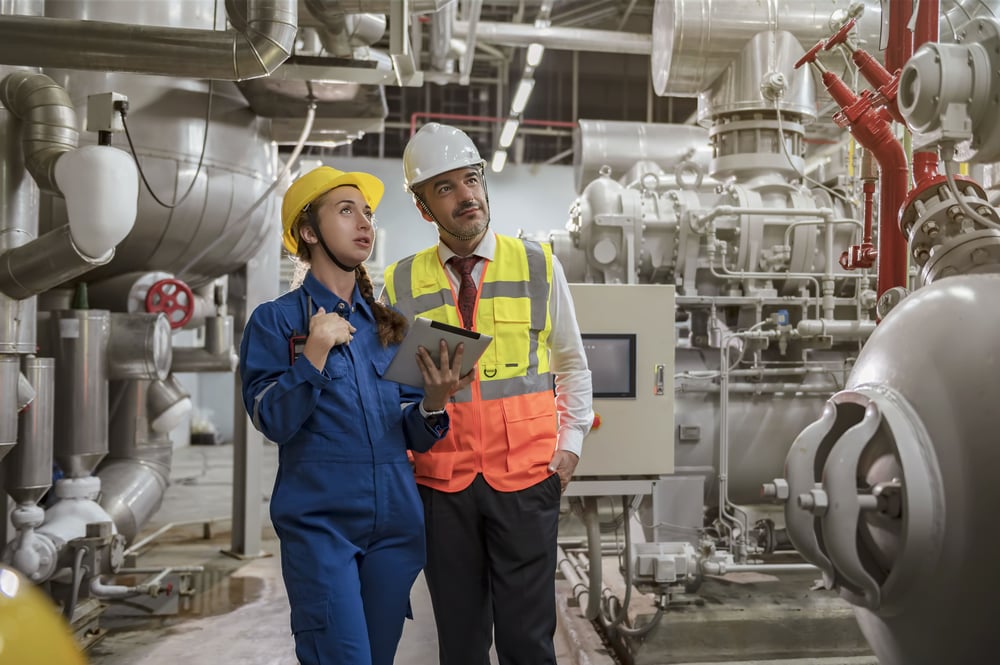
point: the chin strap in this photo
(322, 243)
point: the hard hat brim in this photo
(371, 188)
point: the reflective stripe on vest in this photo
(505, 310)
(504, 425)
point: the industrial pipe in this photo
(557, 38)
(49, 121)
(263, 39)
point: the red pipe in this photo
(925, 163)
(900, 46)
(485, 118)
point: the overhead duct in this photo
(693, 41)
(342, 31)
(263, 38)
(558, 38)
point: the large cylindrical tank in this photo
(619, 145)
(761, 425)
(209, 234)
(915, 435)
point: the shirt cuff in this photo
(571, 441)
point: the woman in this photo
(345, 505)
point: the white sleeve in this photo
(574, 390)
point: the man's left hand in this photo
(564, 463)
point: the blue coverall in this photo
(345, 505)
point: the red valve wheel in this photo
(811, 54)
(173, 298)
(840, 37)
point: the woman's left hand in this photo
(443, 380)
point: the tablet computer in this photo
(428, 334)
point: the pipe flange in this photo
(973, 253)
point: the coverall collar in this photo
(323, 297)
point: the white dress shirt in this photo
(568, 361)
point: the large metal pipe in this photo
(263, 38)
(29, 465)
(10, 370)
(78, 340)
(44, 263)
(134, 476)
(558, 38)
(140, 347)
(694, 41)
(49, 122)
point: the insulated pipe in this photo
(263, 39)
(557, 38)
(29, 465)
(44, 263)
(49, 121)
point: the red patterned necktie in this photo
(467, 290)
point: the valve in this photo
(173, 298)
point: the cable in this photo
(784, 150)
(949, 173)
(201, 159)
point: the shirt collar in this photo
(486, 249)
(328, 300)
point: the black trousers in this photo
(491, 565)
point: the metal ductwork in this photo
(341, 30)
(263, 38)
(558, 38)
(49, 122)
(693, 42)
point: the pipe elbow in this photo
(264, 42)
(101, 188)
(50, 122)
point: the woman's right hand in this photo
(325, 332)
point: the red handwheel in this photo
(173, 298)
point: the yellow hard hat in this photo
(31, 630)
(317, 182)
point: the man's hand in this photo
(564, 463)
(442, 381)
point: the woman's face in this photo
(345, 220)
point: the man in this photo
(491, 488)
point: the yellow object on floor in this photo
(32, 632)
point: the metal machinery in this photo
(789, 304)
(102, 266)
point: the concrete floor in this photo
(239, 611)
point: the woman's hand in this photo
(325, 332)
(443, 380)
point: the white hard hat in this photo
(437, 149)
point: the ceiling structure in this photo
(595, 82)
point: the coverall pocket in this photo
(309, 616)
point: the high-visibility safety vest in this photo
(504, 424)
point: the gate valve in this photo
(859, 256)
(878, 76)
(810, 55)
(173, 298)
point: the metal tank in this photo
(891, 492)
(213, 230)
(695, 41)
